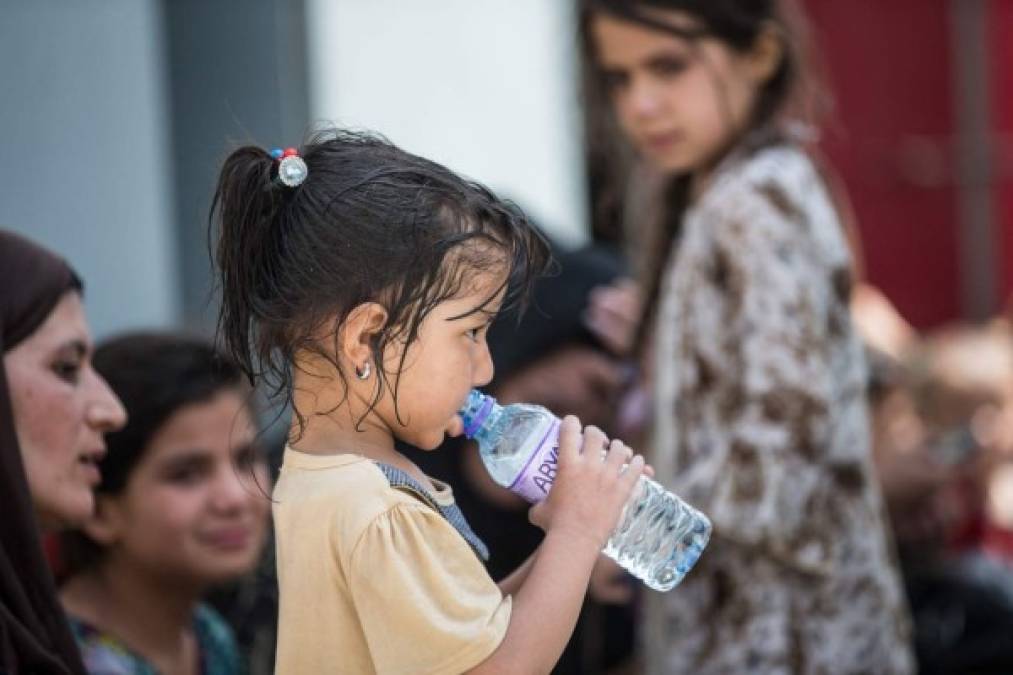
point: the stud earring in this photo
(364, 373)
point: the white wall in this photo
(483, 86)
(83, 150)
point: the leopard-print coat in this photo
(760, 420)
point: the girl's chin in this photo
(430, 443)
(455, 427)
(668, 165)
(432, 439)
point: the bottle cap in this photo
(475, 410)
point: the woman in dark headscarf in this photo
(54, 410)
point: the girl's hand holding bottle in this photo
(588, 493)
(590, 490)
(659, 537)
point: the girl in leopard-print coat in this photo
(756, 373)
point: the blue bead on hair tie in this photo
(276, 153)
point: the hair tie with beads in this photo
(292, 170)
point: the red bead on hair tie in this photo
(290, 152)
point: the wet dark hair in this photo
(371, 223)
(793, 94)
(154, 375)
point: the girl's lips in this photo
(661, 142)
(229, 538)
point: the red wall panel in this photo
(891, 138)
(1000, 37)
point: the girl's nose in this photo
(643, 99)
(483, 369)
(230, 492)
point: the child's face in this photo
(191, 509)
(448, 359)
(679, 103)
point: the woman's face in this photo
(680, 103)
(195, 505)
(62, 408)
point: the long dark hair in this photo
(792, 96)
(34, 635)
(371, 223)
(154, 375)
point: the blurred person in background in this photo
(755, 371)
(54, 410)
(182, 506)
(961, 383)
(941, 420)
(909, 475)
(966, 398)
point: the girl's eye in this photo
(248, 457)
(184, 475)
(668, 67)
(477, 333)
(68, 371)
(614, 81)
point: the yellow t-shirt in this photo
(374, 580)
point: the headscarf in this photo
(34, 635)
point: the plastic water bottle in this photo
(659, 536)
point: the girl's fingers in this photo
(621, 299)
(612, 313)
(569, 439)
(622, 309)
(536, 514)
(633, 471)
(594, 441)
(613, 336)
(613, 318)
(618, 454)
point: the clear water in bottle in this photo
(659, 536)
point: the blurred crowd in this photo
(941, 410)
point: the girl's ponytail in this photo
(246, 206)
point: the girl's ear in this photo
(358, 331)
(104, 526)
(766, 54)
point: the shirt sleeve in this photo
(777, 408)
(425, 602)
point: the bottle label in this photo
(535, 479)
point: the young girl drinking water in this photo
(359, 281)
